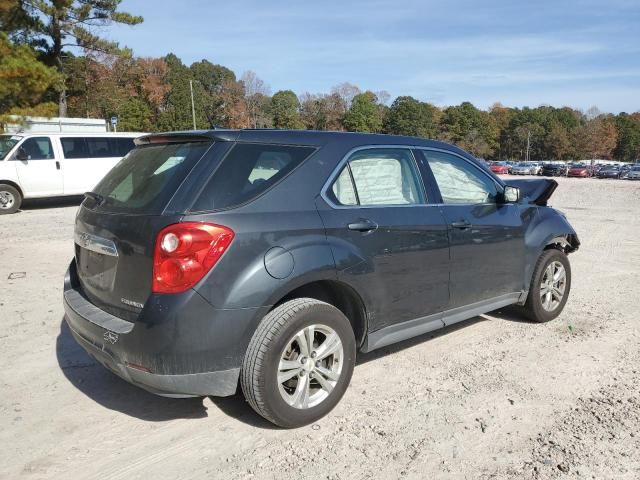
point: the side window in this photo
(125, 145)
(342, 189)
(99, 147)
(74, 147)
(38, 148)
(382, 176)
(459, 181)
(96, 147)
(247, 171)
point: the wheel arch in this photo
(339, 294)
(13, 184)
(551, 230)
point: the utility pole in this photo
(528, 144)
(193, 107)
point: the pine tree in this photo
(53, 26)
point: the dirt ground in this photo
(494, 397)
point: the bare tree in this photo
(255, 90)
(593, 112)
(383, 97)
(321, 111)
(346, 91)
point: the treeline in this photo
(151, 94)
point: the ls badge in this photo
(110, 337)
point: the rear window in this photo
(96, 147)
(145, 180)
(248, 171)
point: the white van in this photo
(37, 165)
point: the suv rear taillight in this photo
(185, 252)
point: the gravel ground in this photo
(494, 397)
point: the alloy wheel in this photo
(553, 285)
(310, 366)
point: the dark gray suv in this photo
(211, 259)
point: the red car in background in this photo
(499, 168)
(582, 171)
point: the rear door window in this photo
(247, 171)
(147, 177)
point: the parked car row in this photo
(516, 168)
(562, 169)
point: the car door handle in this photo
(463, 224)
(363, 226)
(57, 165)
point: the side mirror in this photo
(511, 194)
(21, 154)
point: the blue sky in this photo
(521, 53)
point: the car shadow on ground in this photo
(512, 314)
(110, 391)
(237, 407)
(364, 358)
(57, 202)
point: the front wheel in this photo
(10, 199)
(299, 362)
(549, 287)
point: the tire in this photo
(10, 199)
(270, 345)
(537, 309)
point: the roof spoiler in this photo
(188, 136)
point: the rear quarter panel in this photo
(284, 217)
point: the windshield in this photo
(147, 177)
(7, 142)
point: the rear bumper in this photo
(179, 346)
(222, 383)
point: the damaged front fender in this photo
(549, 228)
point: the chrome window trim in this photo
(338, 169)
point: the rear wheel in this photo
(10, 199)
(550, 286)
(299, 362)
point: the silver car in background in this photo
(634, 173)
(525, 168)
